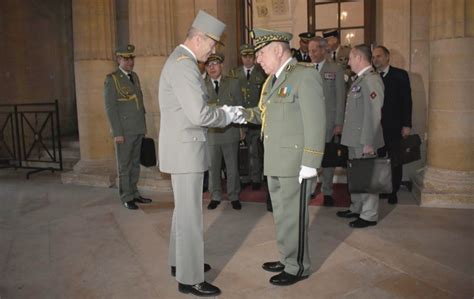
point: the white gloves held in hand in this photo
(234, 114)
(307, 173)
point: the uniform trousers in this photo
(128, 166)
(252, 137)
(228, 151)
(326, 180)
(186, 248)
(290, 214)
(365, 204)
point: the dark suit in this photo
(299, 55)
(396, 113)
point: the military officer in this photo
(339, 54)
(183, 148)
(292, 114)
(302, 54)
(362, 131)
(335, 99)
(126, 114)
(251, 77)
(223, 142)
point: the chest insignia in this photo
(284, 91)
(373, 95)
(355, 88)
(330, 76)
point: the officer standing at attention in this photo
(183, 148)
(251, 77)
(302, 54)
(339, 54)
(126, 113)
(292, 114)
(335, 99)
(223, 142)
(362, 131)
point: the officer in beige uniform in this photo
(362, 131)
(335, 99)
(292, 114)
(183, 148)
(251, 77)
(339, 54)
(126, 114)
(223, 143)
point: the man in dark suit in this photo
(396, 111)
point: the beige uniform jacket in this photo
(293, 120)
(185, 115)
(363, 112)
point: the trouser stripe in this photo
(301, 227)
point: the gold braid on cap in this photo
(262, 106)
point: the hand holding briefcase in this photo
(405, 150)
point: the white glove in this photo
(229, 114)
(307, 173)
(240, 118)
(234, 113)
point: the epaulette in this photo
(305, 64)
(289, 68)
(232, 74)
(182, 57)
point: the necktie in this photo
(216, 86)
(274, 80)
(334, 55)
(317, 66)
(248, 74)
(382, 74)
(131, 78)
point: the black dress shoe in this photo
(256, 186)
(213, 204)
(328, 201)
(203, 289)
(361, 223)
(236, 205)
(207, 267)
(142, 200)
(347, 214)
(130, 205)
(273, 266)
(286, 279)
(393, 199)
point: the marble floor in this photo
(65, 241)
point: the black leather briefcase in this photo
(147, 152)
(335, 154)
(405, 150)
(369, 175)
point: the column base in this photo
(440, 188)
(100, 173)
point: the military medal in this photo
(329, 76)
(284, 91)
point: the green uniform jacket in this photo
(250, 88)
(294, 125)
(230, 95)
(124, 104)
(334, 94)
(363, 112)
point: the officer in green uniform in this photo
(335, 100)
(362, 131)
(126, 114)
(293, 118)
(223, 142)
(302, 54)
(251, 77)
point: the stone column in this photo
(94, 41)
(151, 27)
(447, 180)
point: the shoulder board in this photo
(233, 73)
(183, 57)
(306, 64)
(289, 68)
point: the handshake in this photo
(234, 114)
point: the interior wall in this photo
(37, 56)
